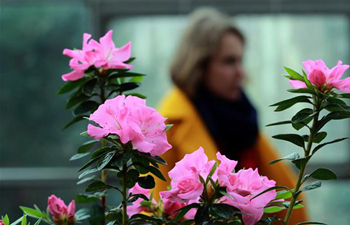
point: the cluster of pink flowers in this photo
(60, 211)
(132, 120)
(242, 186)
(323, 77)
(101, 54)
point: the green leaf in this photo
(74, 120)
(32, 212)
(298, 126)
(122, 87)
(292, 156)
(345, 95)
(89, 198)
(137, 79)
(295, 75)
(224, 211)
(312, 186)
(146, 182)
(320, 137)
(71, 85)
(88, 87)
(283, 105)
(37, 222)
(270, 189)
(323, 174)
(279, 123)
(17, 221)
(318, 147)
(92, 161)
(293, 138)
(79, 156)
(6, 220)
(87, 146)
(84, 134)
(131, 59)
(137, 95)
(168, 126)
(102, 151)
(124, 74)
(303, 115)
(273, 209)
(88, 106)
(103, 162)
(332, 116)
(284, 194)
(156, 172)
(24, 220)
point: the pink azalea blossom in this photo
(243, 186)
(136, 207)
(226, 167)
(59, 210)
(101, 54)
(169, 207)
(324, 78)
(185, 182)
(132, 120)
(2, 223)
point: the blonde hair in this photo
(199, 43)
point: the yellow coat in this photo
(189, 133)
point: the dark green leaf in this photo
(122, 87)
(318, 147)
(87, 146)
(312, 186)
(97, 215)
(279, 123)
(102, 151)
(92, 161)
(137, 95)
(131, 59)
(301, 162)
(332, 116)
(224, 211)
(121, 160)
(89, 87)
(97, 185)
(75, 99)
(293, 138)
(323, 174)
(303, 115)
(71, 85)
(298, 126)
(290, 102)
(87, 179)
(156, 172)
(292, 156)
(74, 120)
(202, 215)
(82, 214)
(345, 95)
(124, 74)
(320, 137)
(79, 156)
(103, 162)
(87, 172)
(88, 106)
(146, 182)
(302, 91)
(89, 198)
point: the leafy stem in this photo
(313, 131)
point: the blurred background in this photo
(35, 152)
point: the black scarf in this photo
(233, 125)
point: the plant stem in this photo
(313, 132)
(124, 193)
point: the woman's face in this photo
(225, 72)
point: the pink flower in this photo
(324, 78)
(169, 207)
(2, 223)
(59, 210)
(132, 120)
(225, 168)
(243, 186)
(110, 57)
(185, 182)
(136, 207)
(93, 53)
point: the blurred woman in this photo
(208, 105)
